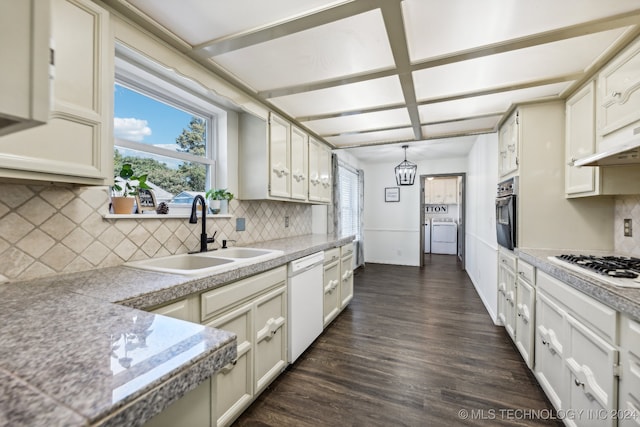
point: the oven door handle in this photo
(503, 201)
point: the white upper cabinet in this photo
(279, 161)
(508, 144)
(24, 28)
(319, 172)
(618, 95)
(279, 157)
(76, 143)
(441, 191)
(580, 142)
(299, 164)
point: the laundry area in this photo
(442, 214)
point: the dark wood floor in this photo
(414, 348)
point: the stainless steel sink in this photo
(204, 263)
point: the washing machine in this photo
(444, 236)
(427, 236)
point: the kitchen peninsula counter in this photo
(624, 300)
(77, 349)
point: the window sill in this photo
(159, 216)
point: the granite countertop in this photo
(624, 300)
(77, 349)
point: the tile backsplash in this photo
(54, 229)
(627, 207)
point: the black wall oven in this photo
(506, 213)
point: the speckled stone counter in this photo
(624, 300)
(76, 350)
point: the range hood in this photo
(624, 149)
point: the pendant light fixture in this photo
(406, 171)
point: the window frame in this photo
(140, 74)
(355, 206)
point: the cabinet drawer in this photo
(630, 336)
(507, 259)
(331, 255)
(229, 295)
(346, 250)
(526, 272)
(596, 315)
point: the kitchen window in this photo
(349, 202)
(164, 128)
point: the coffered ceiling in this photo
(369, 72)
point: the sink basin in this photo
(202, 263)
(242, 252)
(183, 264)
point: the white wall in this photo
(392, 230)
(480, 239)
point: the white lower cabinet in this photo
(507, 292)
(331, 305)
(346, 274)
(549, 350)
(255, 309)
(576, 357)
(592, 384)
(629, 392)
(234, 389)
(525, 324)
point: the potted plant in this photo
(125, 185)
(219, 200)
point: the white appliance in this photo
(444, 236)
(305, 298)
(427, 236)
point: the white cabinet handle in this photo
(331, 286)
(585, 379)
(269, 329)
(549, 338)
(229, 366)
(615, 94)
(280, 171)
(347, 274)
(502, 288)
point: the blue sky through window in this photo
(142, 119)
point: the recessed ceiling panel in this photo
(531, 64)
(420, 150)
(354, 96)
(461, 127)
(360, 122)
(372, 137)
(342, 48)
(487, 104)
(199, 21)
(436, 27)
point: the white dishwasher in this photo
(305, 299)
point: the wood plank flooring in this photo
(414, 348)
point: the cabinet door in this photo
(437, 189)
(24, 55)
(580, 142)
(508, 143)
(502, 296)
(619, 91)
(299, 164)
(325, 174)
(510, 309)
(549, 350)
(76, 143)
(279, 157)
(525, 324)
(346, 277)
(451, 191)
(592, 384)
(270, 337)
(331, 292)
(629, 398)
(315, 186)
(234, 389)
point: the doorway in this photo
(442, 215)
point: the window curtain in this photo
(335, 169)
(360, 246)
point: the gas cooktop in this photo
(615, 270)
